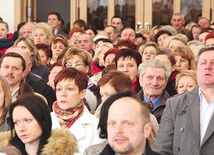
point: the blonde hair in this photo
(190, 73)
(194, 42)
(153, 44)
(7, 98)
(35, 58)
(190, 25)
(181, 37)
(169, 28)
(150, 33)
(47, 29)
(98, 50)
(156, 27)
(84, 55)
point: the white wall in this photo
(7, 13)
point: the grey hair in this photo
(90, 37)
(155, 63)
(194, 42)
(178, 14)
(153, 44)
(169, 28)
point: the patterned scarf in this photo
(67, 117)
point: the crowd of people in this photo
(110, 91)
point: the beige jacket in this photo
(61, 142)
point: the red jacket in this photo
(6, 43)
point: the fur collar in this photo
(60, 142)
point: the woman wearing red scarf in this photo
(69, 111)
(127, 61)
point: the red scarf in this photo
(67, 117)
(134, 85)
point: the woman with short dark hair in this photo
(69, 110)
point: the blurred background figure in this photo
(36, 67)
(6, 40)
(5, 98)
(9, 150)
(58, 44)
(42, 33)
(148, 51)
(45, 54)
(184, 58)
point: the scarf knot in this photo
(67, 117)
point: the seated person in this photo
(69, 110)
(31, 132)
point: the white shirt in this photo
(206, 112)
(84, 130)
(14, 94)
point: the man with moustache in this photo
(13, 68)
(34, 81)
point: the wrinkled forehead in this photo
(128, 30)
(203, 20)
(176, 17)
(207, 54)
(85, 37)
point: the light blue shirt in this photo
(155, 102)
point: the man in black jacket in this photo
(125, 122)
(36, 83)
(39, 86)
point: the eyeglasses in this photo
(75, 65)
(74, 37)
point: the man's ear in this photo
(59, 22)
(135, 41)
(184, 21)
(24, 74)
(93, 45)
(147, 129)
(30, 65)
